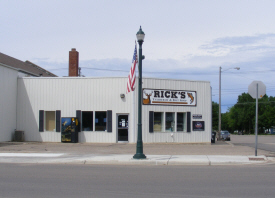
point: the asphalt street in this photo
(69, 181)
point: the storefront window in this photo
(158, 121)
(169, 122)
(100, 120)
(87, 120)
(181, 121)
(50, 120)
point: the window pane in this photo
(100, 120)
(87, 120)
(158, 121)
(181, 123)
(169, 122)
(122, 121)
(50, 120)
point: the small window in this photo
(100, 121)
(169, 122)
(87, 120)
(158, 121)
(49, 120)
(181, 121)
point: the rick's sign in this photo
(169, 97)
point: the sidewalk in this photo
(220, 153)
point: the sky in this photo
(184, 39)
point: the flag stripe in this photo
(131, 82)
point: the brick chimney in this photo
(73, 62)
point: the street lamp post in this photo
(220, 120)
(139, 151)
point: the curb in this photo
(206, 160)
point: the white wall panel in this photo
(69, 95)
(8, 89)
(101, 94)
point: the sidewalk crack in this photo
(208, 160)
(169, 159)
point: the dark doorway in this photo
(122, 128)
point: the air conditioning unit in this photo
(19, 136)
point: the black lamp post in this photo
(139, 152)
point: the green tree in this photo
(231, 119)
(266, 113)
(242, 115)
(224, 117)
(270, 114)
(215, 116)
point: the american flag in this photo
(131, 82)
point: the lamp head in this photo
(140, 35)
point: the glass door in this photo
(122, 128)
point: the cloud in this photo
(243, 40)
(246, 44)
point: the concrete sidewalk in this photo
(60, 158)
(221, 153)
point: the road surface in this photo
(67, 181)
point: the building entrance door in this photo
(122, 128)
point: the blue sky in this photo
(184, 39)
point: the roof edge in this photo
(40, 68)
(10, 67)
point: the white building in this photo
(179, 110)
